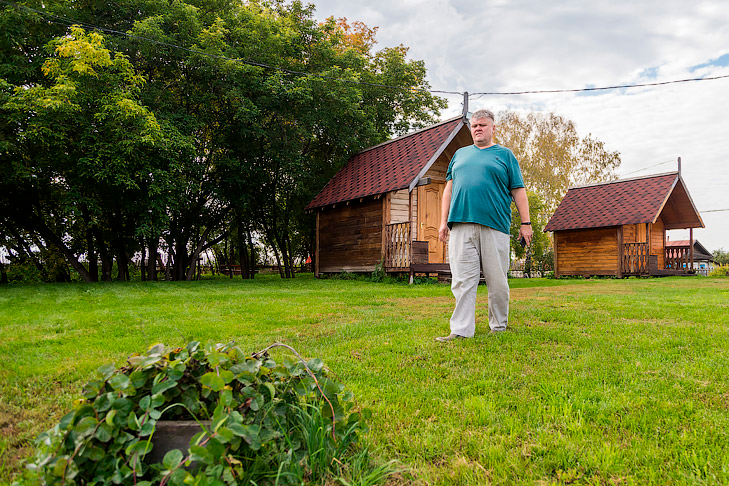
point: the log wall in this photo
(658, 242)
(587, 252)
(350, 237)
(399, 206)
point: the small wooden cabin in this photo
(384, 204)
(619, 228)
(702, 258)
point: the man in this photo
(481, 181)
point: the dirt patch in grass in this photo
(18, 428)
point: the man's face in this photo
(482, 131)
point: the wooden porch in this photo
(636, 260)
(404, 255)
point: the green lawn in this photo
(596, 382)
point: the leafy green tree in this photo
(86, 155)
(552, 155)
(538, 252)
(721, 256)
(218, 118)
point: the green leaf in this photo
(122, 404)
(157, 400)
(91, 389)
(86, 425)
(212, 381)
(103, 402)
(271, 389)
(59, 468)
(156, 350)
(257, 402)
(179, 477)
(141, 447)
(226, 398)
(238, 429)
(224, 434)
(227, 376)
(215, 359)
(163, 386)
(147, 428)
(138, 378)
(95, 454)
(66, 420)
(104, 433)
(201, 454)
(145, 403)
(315, 365)
(172, 459)
(132, 421)
(110, 417)
(106, 371)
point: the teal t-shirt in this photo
(482, 184)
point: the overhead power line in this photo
(620, 86)
(650, 167)
(66, 21)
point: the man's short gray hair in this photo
(481, 114)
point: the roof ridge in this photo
(429, 127)
(617, 181)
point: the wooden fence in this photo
(678, 258)
(635, 258)
(397, 245)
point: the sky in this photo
(526, 45)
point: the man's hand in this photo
(443, 233)
(526, 232)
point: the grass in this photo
(596, 382)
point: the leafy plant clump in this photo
(720, 271)
(262, 422)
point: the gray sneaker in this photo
(450, 337)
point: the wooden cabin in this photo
(384, 204)
(702, 258)
(619, 228)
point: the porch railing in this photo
(397, 245)
(635, 258)
(678, 257)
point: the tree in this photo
(720, 256)
(86, 158)
(538, 251)
(207, 120)
(551, 154)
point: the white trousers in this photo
(473, 248)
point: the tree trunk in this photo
(91, 255)
(253, 256)
(196, 254)
(106, 262)
(48, 235)
(143, 264)
(246, 270)
(152, 260)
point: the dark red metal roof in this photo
(390, 166)
(699, 249)
(628, 201)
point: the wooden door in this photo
(429, 199)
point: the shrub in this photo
(269, 422)
(720, 271)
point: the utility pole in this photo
(465, 106)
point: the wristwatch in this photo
(528, 223)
